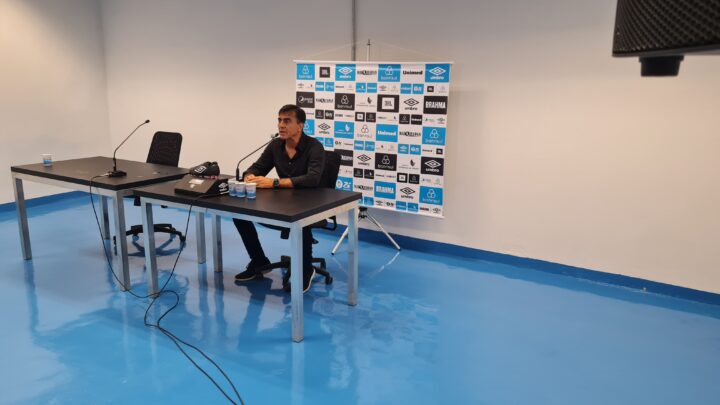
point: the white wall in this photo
(53, 95)
(216, 71)
(556, 151)
(559, 152)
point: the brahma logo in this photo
(384, 190)
(346, 156)
(435, 105)
(432, 165)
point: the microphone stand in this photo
(119, 173)
(237, 168)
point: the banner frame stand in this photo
(364, 214)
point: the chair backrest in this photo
(332, 168)
(165, 148)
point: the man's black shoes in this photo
(252, 271)
(307, 281)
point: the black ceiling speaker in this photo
(661, 32)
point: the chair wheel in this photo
(328, 280)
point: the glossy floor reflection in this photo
(427, 329)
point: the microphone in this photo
(237, 168)
(119, 173)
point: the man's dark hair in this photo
(292, 108)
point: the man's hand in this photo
(261, 181)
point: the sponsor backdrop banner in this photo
(388, 123)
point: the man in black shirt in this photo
(299, 161)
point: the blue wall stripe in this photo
(34, 202)
(440, 248)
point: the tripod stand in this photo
(366, 215)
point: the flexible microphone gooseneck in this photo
(119, 173)
(237, 168)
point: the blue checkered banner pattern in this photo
(387, 121)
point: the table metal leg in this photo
(296, 284)
(200, 235)
(121, 241)
(352, 229)
(22, 219)
(105, 221)
(217, 243)
(150, 256)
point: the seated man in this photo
(298, 160)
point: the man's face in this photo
(288, 126)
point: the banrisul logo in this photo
(344, 129)
(306, 71)
(433, 136)
(345, 73)
(386, 161)
(388, 73)
(437, 73)
(309, 127)
(386, 133)
(344, 101)
(431, 195)
(384, 190)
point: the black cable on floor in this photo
(175, 339)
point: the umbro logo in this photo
(407, 190)
(364, 158)
(346, 70)
(433, 164)
(324, 126)
(437, 71)
(411, 102)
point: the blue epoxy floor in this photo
(427, 329)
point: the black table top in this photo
(287, 205)
(80, 171)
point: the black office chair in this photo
(327, 180)
(164, 150)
